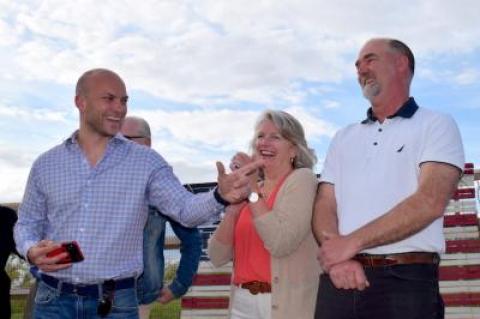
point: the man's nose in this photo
(362, 69)
(119, 105)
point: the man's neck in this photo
(387, 106)
(93, 145)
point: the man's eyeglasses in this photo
(131, 137)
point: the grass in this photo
(159, 311)
(17, 308)
(169, 311)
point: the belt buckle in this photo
(254, 288)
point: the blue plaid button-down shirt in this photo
(104, 208)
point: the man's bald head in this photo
(83, 83)
(137, 130)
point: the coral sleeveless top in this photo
(251, 259)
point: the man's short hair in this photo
(402, 48)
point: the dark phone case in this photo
(73, 250)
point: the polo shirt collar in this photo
(406, 111)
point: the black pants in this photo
(395, 292)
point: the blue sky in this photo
(202, 71)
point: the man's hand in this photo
(348, 275)
(235, 187)
(166, 295)
(37, 255)
(335, 249)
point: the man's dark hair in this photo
(402, 48)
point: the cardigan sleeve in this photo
(288, 223)
(219, 253)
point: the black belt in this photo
(368, 260)
(93, 290)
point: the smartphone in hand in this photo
(74, 253)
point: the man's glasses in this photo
(105, 305)
(131, 137)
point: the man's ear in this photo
(80, 103)
(402, 63)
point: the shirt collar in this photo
(406, 111)
(73, 138)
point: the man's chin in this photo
(370, 93)
(110, 133)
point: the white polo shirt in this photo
(374, 166)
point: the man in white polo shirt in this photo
(384, 187)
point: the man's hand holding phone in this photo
(74, 254)
(48, 255)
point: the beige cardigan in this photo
(287, 235)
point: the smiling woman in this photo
(269, 236)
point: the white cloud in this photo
(14, 168)
(191, 172)
(467, 76)
(215, 128)
(330, 104)
(40, 115)
(189, 51)
(315, 127)
(213, 55)
(225, 130)
(13, 184)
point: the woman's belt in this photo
(256, 287)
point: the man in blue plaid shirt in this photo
(95, 189)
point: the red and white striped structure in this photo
(460, 265)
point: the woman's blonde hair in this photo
(290, 129)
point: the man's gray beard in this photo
(370, 91)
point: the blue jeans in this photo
(395, 292)
(150, 283)
(51, 304)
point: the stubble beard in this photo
(96, 125)
(371, 91)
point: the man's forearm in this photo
(437, 184)
(404, 220)
(324, 218)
